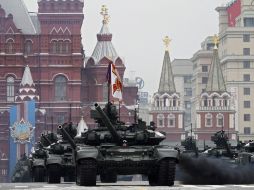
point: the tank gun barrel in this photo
(45, 138)
(66, 134)
(108, 124)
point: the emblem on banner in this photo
(22, 131)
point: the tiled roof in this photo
(20, 14)
(104, 46)
(215, 81)
(167, 84)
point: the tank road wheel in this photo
(166, 172)
(108, 177)
(54, 174)
(86, 172)
(38, 174)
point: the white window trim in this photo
(208, 116)
(159, 117)
(219, 116)
(171, 116)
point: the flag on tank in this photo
(115, 80)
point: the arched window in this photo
(28, 47)
(205, 102)
(157, 102)
(220, 120)
(66, 47)
(60, 88)
(174, 102)
(208, 120)
(60, 47)
(9, 48)
(225, 101)
(160, 120)
(10, 89)
(54, 47)
(214, 101)
(171, 120)
(165, 102)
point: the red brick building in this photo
(49, 42)
(166, 109)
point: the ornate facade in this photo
(166, 109)
(215, 110)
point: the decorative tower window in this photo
(160, 120)
(9, 48)
(208, 120)
(157, 102)
(171, 120)
(28, 47)
(205, 102)
(10, 89)
(214, 101)
(60, 88)
(220, 120)
(174, 102)
(66, 47)
(60, 47)
(54, 47)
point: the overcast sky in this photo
(138, 27)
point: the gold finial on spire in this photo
(104, 13)
(215, 41)
(167, 41)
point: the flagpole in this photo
(119, 111)
(109, 80)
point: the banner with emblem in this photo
(115, 80)
(22, 126)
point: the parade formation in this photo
(67, 118)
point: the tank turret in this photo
(48, 139)
(106, 120)
(221, 141)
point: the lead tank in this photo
(113, 148)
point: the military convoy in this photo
(112, 149)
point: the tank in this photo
(113, 148)
(190, 147)
(59, 162)
(22, 170)
(246, 155)
(39, 156)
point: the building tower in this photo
(94, 82)
(60, 59)
(215, 111)
(166, 109)
(236, 27)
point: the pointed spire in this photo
(216, 81)
(27, 89)
(167, 84)
(82, 127)
(104, 46)
(27, 77)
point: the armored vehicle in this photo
(246, 156)
(39, 157)
(113, 148)
(22, 170)
(59, 160)
(190, 147)
(223, 150)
